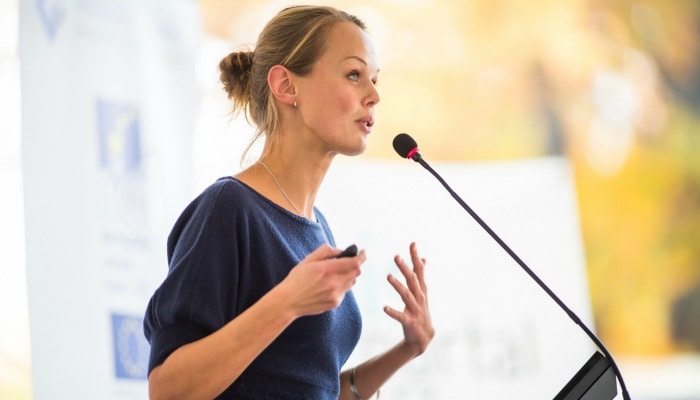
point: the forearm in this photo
(205, 368)
(375, 372)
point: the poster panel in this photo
(108, 100)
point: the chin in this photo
(351, 147)
(356, 153)
(357, 150)
(353, 152)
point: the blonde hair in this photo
(295, 38)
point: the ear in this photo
(279, 78)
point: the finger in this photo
(418, 262)
(361, 256)
(398, 316)
(414, 285)
(418, 266)
(351, 251)
(347, 266)
(406, 296)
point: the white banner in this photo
(108, 100)
(499, 335)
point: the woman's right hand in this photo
(319, 282)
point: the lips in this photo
(368, 122)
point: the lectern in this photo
(594, 381)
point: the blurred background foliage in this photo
(614, 86)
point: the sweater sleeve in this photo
(198, 293)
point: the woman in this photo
(256, 303)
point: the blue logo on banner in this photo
(131, 349)
(51, 15)
(119, 137)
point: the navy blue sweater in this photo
(227, 249)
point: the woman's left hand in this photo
(415, 319)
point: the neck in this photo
(296, 178)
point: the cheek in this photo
(345, 102)
(334, 105)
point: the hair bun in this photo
(235, 75)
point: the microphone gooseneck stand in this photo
(415, 156)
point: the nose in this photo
(372, 97)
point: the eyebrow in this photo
(360, 59)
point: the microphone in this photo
(407, 147)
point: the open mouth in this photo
(368, 123)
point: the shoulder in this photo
(217, 205)
(224, 192)
(226, 186)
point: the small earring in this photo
(295, 103)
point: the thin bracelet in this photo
(353, 389)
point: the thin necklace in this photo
(280, 188)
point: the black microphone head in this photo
(406, 146)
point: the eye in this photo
(354, 76)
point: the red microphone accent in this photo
(412, 152)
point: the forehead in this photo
(348, 40)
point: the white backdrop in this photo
(499, 336)
(108, 100)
